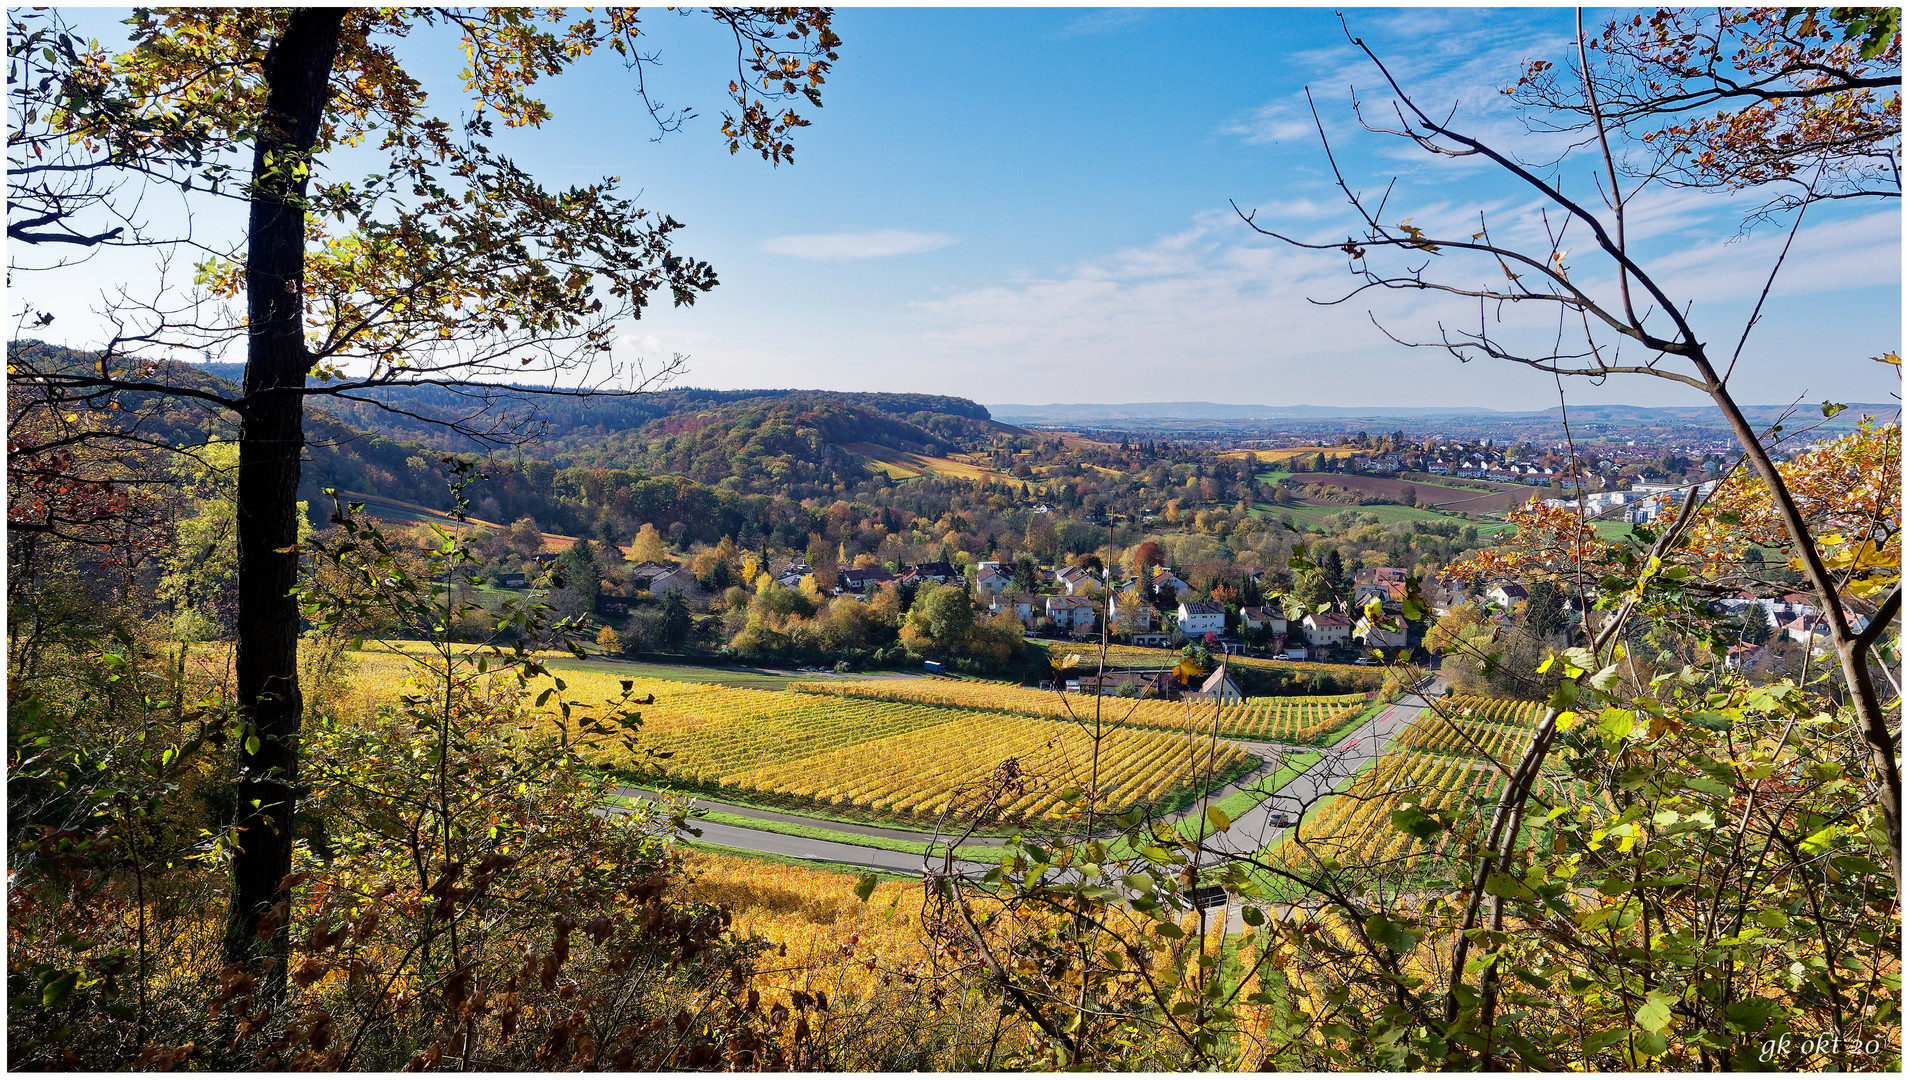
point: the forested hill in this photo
(765, 439)
(571, 425)
(601, 466)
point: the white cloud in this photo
(1103, 21)
(1215, 312)
(864, 244)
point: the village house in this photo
(1329, 630)
(1073, 614)
(678, 580)
(939, 572)
(1074, 580)
(1164, 579)
(1373, 635)
(1020, 603)
(863, 580)
(1201, 617)
(1506, 595)
(1218, 687)
(1255, 620)
(991, 577)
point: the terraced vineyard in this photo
(1439, 762)
(1134, 656)
(887, 756)
(1281, 719)
(1355, 826)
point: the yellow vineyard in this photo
(1445, 760)
(1283, 719)
(887, 756)
(1135, 656)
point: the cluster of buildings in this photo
(1642, 504)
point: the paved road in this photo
(1251, 831)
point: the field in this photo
(1287, 453)
(1439, 762)
(889, 758)
(1279, 719)
(1130, 656)
(1315, 515)
(903, 465)
(414, 514)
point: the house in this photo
(1074, 614)
(1164, 579)
(1374, 636)
(1262, 619)
(1805, 629)
(863, 580)
(679, 580)
(793, 573)
(1152, 641)
(512, 581)
(1506, 595)
(1217, 687)
(992, 577)
(1366, 591)
(1741, 656)
(1140, 620)
(1201, 617)
(1444, 599)
(1021, 604)
(1074, 580)
(929, 571)
(1328, 630)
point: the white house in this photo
(1327, 630)
(1072, 613)
(1372, 635)
(1805, 629)
(1164, 579)
(992, 577)
(1200, 617)
(1506, 595)
(1021, 604)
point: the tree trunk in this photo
(297, 72)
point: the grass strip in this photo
(1330, 738)
(971, 853)
(790, 860)
(1290, 767)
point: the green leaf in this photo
(1415, 820)
(252, 745)
(1218, 819)
(1831, 408)
(56, 990)
(1654, 1013)
(865, 888)
(1252, 916)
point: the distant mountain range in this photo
(1210, 419)
(1208, 410)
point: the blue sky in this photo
(1019, 205)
